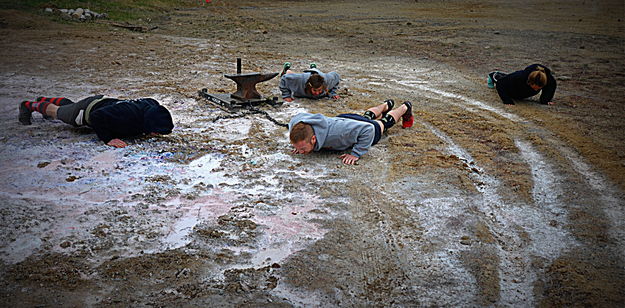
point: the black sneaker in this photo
(24, 114)
(390, 104)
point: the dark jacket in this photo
(113, 118)
(514, 86)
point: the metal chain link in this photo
(251, 110)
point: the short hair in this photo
(537, 77)
(315, 81)
(301, 131)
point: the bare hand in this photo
(117, 143)
(348, 159)
(336, 97)
(551, 103)
(288, 99)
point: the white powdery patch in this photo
(612, 205)
(503, 222)
(434, 215)
(470, 101)
(547, 241)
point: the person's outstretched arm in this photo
(547, 93)
(287, 94)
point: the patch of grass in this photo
(121, 10)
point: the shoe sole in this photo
(23, 119)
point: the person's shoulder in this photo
(533, 67)
(294, 76)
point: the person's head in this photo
(157, 119)
(315, 85)
(303, 138)
(537, 79)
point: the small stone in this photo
(65, 244)
(49, 10)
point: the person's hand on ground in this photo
(348, 159)
(551, 103)
(117, 143)
(288, 99)
(336, 97)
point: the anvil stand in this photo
(246, 94)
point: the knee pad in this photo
(369, 115)
(388, 121)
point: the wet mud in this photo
(478, 204)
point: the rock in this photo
(49, 10)
(65, 244)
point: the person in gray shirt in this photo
(313, 132)
(312, 83)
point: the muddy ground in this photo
(478, 204)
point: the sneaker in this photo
(490, 82)
(313, 65)
(391, 104)
(24, 114)
(407, 119)
(285, 67)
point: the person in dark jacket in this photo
(110, 118)
(313, 132)
(312, 83)
(523, 84)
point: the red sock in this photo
(59, 101)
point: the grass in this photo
(120, 10)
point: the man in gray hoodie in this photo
(313, 132)
(313, 83)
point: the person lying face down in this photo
(313, 84)
(313, 132)
(523, 84)
(110, 118)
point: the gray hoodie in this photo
(294, 85)
(338, 133)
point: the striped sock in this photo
(38, 106)
(59, 101)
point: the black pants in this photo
(376, 126)
(496, 76)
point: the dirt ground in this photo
(478, 204)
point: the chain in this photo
(251, 110)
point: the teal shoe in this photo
(490, 82)
(285, 67)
